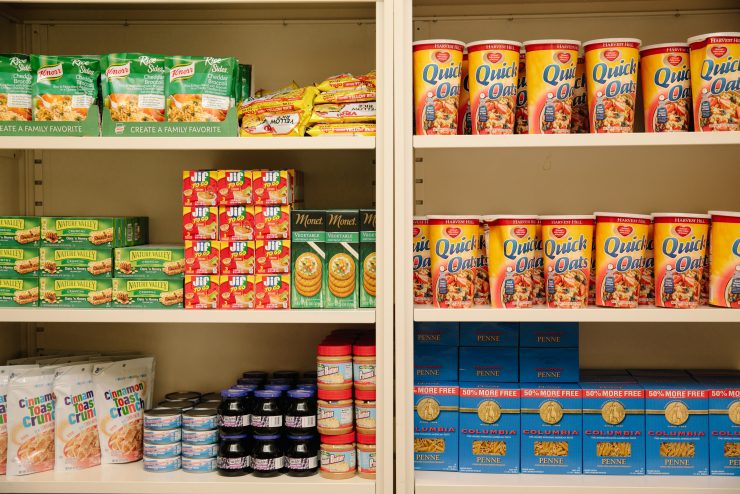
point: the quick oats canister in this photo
(666, 87)
(579, 118)
(715, 81)
(422, 262)
(647, 279)
(521, 125)
(551, 77)
(538, 271)
(680, 245)
(567, 242)
(464, 123)
(611, 83)
(493, 66)
(511, 251)
(724, 276)
(437, 78)
(620, 240)
(453, 250)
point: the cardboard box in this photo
(200, 223)
(19, 262)
(435, 363)
(272, 291)
(489, 427)
(20, 231)
(341, 272)
(500, 334)
(148, 293)
(436, 426)
(202, 291)
(436, 333)
(93, 232)
(548, 365)
(201, 256)
(548, 334)
(150, 262)
(308, 234)
(367, 258)
(234, 187)
(237, 257)
(76, 293)
(613, 428)
(235, 223)
(272, 222)
(237, 292)
(136, 231)
(486, 364)
(76, 263)
(551, 428)
(606, 376)
(19, 292)
(200, 187)
(724, 423)
(272, 256)
(271, 187)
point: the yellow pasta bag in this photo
(344, 129)
(344, 113)
(357, 95)
(347, 81)
(284, 113)
(260, 93)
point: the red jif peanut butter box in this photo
(272, 256)
(236, 223)
(200, 187)
(272, 291)
(272, 222)
(202, 256)
(237, 291)
(271, 187)
(201, 291)
(237, 257)
(200, 223)
(234, 187)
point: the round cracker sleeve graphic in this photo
(342, 275)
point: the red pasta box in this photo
(237, 292)
(236, 223)
(234, 187)
(200, 223)
(272, 222)
(272, 256)
(271, 187)
(200, 187)
(201, 291)
(202, 256)
(272, 291)
(237, 257)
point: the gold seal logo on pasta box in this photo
(237, 257)
(200, 223)
(237, 292)
(236, 223)
(453, 250)
(724, 276)
(201, 291)
(272, 291)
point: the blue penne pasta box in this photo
(613, 428)
(501, 334)
(489, 427)
(551, 428)
(724, 425)
(548, 365)
(676, 426)
(436, 426)
(435, 363)
(436, 333)
(489, 364)
(548, 334)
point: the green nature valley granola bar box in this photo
(76, 293)
(150, 262)
(19, 292)
(148, 294)
(76, 262)
(367, 258)
(19, 262)
(22, 231)
(341, 271)
(94, 232)
(308, 231)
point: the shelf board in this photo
(590, 314)
(470, 483)
(131, 477)
(577, 140)
(188, 144)
(306, 316)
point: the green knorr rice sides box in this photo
(64, 87)
(19, 262)
(80, 263)
(133, 86)
(199, 89)
(148, 294)
(19, 292)
(94, 232)
(150, 262)
(342, 256)
(367, 257)
(308, 230)
(75, 293)
(15, 86)
(20, 230)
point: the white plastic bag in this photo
(76, 438)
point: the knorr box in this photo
(19, 262)
(133, 86)
(150, 262)
(76, 262)
(367, 257)
(237, 292)
(15, 87)
(20, 230)
(202, 291)
(148, 294)
(76, 293)
(308, 231)
(202, 256)
(199, 89)
(341, 271)
(237, 257)
(19, 292)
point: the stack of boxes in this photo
(149, 277)
(19, 261)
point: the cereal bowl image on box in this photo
(666, 87)
(437, 78)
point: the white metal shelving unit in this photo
(302, 40)
(571, 174)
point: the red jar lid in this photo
(339, 439)
(366, 438)
(361, 394)
(332, 349)
(335, 395)
(363, 349)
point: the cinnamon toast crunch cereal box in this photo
(237, 257)
(200, 187)
(453, 250)
(236, 223)
(437, 79)
(724, 276)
